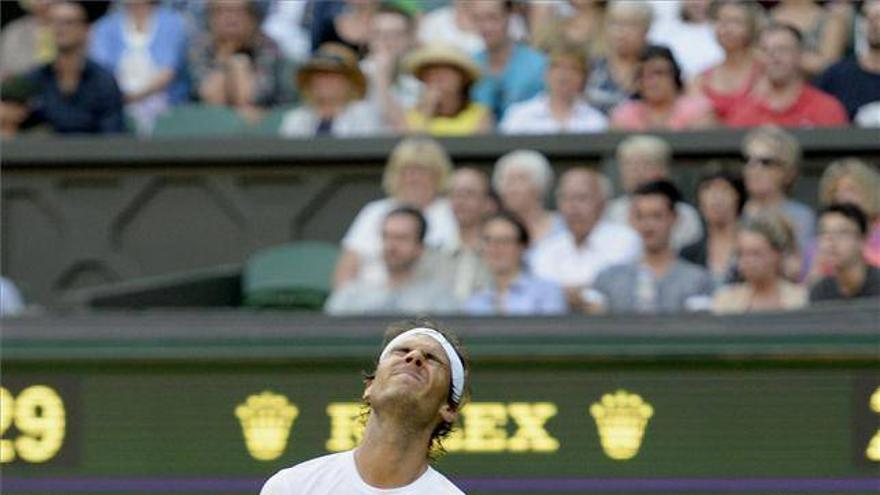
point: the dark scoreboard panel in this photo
(531, 428)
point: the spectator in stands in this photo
(416, 175)
(452, 24)
(763, 242)
(562, 108)
(856, 81)
(523, 179)
(27, 42)
(73, 94)
(445, 107)
(721, 196)
(145, 46)
(411, 285)
(471, 202)
(582, 24)
(589, 244)
(513, 290)
(346, 22)
(661, 102)
(824, 31)
(772, 156)
(850, 180)
(612, 77)
(661, 282)
(690, 35)
(332, 86)
(782, 96)
(512, 71)
(842, 231)
(391, 88)
(234, 64)
(642, 159)
(737, 25)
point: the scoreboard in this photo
(534, 425)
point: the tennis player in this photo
(414, 395)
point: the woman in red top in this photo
(737, 25)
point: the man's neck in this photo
(398, 278)
(499, 54)
(69, 61)
(68, 67)
(722, 230)
(469, 235)
(782, 95)
(328, 109)
(391, 454)
(503, 281)
(850, 279)
(870, 61)
(659, 261)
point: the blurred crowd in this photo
(458, 240)
(441, 67)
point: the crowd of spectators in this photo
(444, 67)
(461, 241)
(449, 239)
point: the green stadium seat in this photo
(199, 120)
(296, 276)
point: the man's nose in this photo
(415, 357)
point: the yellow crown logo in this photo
(621, 418)
(873, 450)
(266, 420)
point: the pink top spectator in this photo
(813, 108)
(688, 111)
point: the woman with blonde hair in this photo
(416, 175)
(763, 243)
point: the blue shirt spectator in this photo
(521, 79)
(527, 295)
(94, 107)
(145, 46)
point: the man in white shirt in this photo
(590, 244)
(414, 396)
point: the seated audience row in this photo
(515, 256)
(624, 67)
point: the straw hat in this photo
(439, 54)
(333, 57)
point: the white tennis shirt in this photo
(337, 474)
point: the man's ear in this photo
(448, 413)
(368, 382)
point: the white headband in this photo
(455, 363)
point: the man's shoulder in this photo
(306, 475)
(616, 273)
(441, 485)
